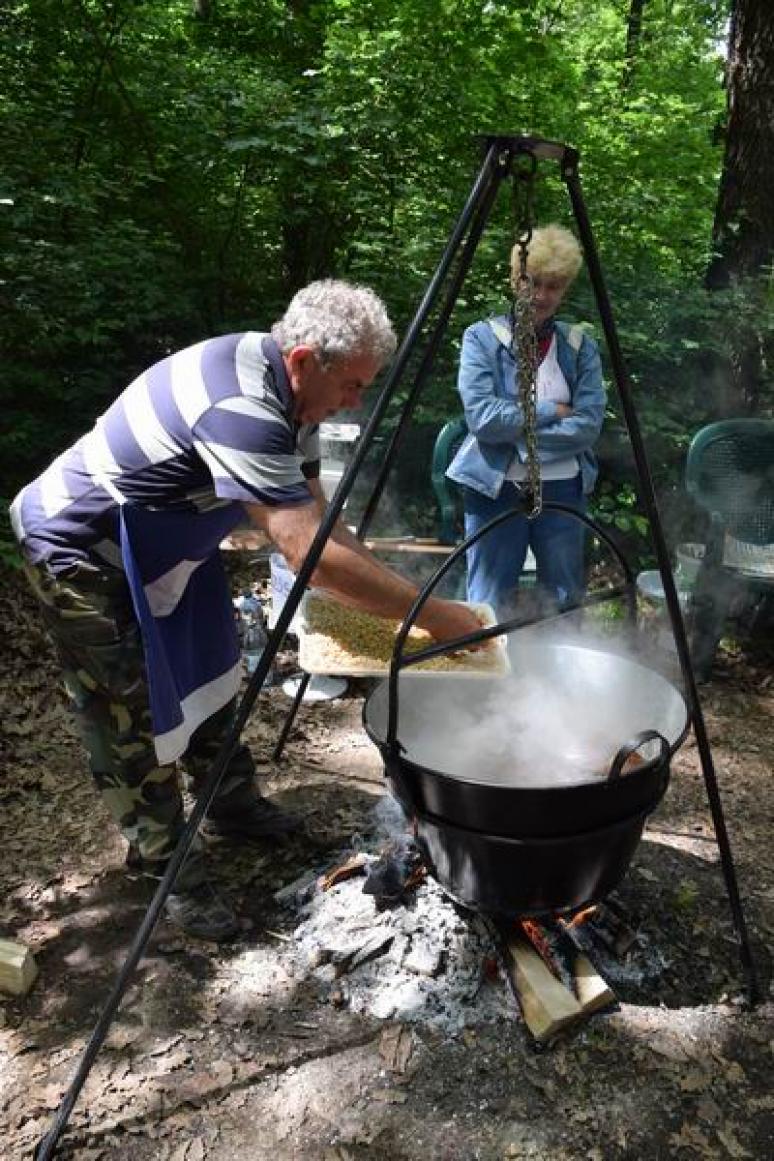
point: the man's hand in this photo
(349, 572)
(445, 620)
(563, 411)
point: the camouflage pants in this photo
(89, 614)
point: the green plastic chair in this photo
(447, 444)
(451, 520)
(730, 475)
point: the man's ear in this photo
(298, 359)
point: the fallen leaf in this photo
(728, 1139)
(695, 1081)
(389, 1096)
(396, 1047)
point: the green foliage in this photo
(168, 177)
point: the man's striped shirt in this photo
(210, 426)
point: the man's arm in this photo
(351, 573)
(341, 532)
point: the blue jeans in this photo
(495, 562)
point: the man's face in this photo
(319, 393)
(548, 292)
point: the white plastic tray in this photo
(341, 648)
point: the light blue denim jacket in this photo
(487, 386)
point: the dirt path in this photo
(220, 1053)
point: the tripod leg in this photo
(648, 496)
(479, 221)
(476, 211)
(291, 716)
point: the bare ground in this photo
(200, 1066)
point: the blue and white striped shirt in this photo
(203, 428)
(154, 487)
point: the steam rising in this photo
(559, 720)
(524, 732)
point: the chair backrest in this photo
(730, 473)
(447, 444)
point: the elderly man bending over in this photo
(120, 536)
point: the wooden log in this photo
(18, 969)
(355, 865)
(623, 937)
(575, 969)
(554, 981)
(546, 1004)
(593, 992)
(605, 927)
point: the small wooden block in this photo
(592, 991)
(18, 969)
(546, 1004)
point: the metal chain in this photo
(524, 343)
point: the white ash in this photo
(421, 962)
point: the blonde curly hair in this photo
(553, 252)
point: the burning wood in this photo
(417, 876)
(603, 924)
(353, 866)
(389, 878)
(398, 871)
(554, 981)
(546, 1004)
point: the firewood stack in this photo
(550, 970)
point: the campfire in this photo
(377, 935)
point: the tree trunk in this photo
(743, 233)
(633, 36)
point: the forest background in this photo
(177, 169)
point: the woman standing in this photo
(491, 463)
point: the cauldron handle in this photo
(630, 747)
(400, 660)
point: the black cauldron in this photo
(498, 843)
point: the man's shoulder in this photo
(242, 372)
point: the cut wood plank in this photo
(593, 992)
(546, 1004)
(17, 968)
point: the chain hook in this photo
(524, 346)
(523, 177)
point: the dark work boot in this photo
(193, 904)
(200, 911)
(256, 818)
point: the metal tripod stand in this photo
(501, 154)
